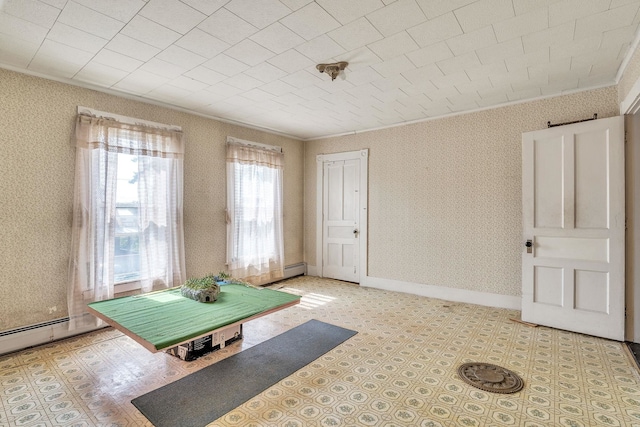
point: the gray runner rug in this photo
(204, 396)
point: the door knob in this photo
(529, 245)
(355, 232)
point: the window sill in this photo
(121, 287)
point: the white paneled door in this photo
(341, 225)
(573, 227)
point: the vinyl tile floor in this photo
(399, 370)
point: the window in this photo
(255, 250)
(127, 222)
(126, 255)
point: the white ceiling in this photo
(253, 61)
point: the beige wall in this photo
(445, 195)
(36, 186)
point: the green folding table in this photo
(165, 319)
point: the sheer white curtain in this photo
(255, 249)
(159, 156)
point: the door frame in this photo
(363, 156)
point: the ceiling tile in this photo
(201, 98)
(393, 66)
(291, 61)
(73, 37)
(521, 25)
(574, 48)
(468, 42)
(140, 82)
(310, 93)
(541, 39)
(597, 24)
(618, 37)
(501, 51)
(243, 81)
(362, 76)
(435, 8)
(396, 82)
(249, 52)
(31, 11)
(190, 83)
(55, 3)
(265, 72)
(227, 27)
(16, 52)
(64, 52)
(117, 60)
(473, 86)
(390, 47)
(347, 11)
(526, 6)
(356, 34)
(570, 10)
(296, 4)
(21, 29)
(168, 93)
(52, 65)
(482, 13)
(277, 88)
(483, 71)
(301, 79)
(335, 86)
(457, 63)
(360, 58)
(172, 14)
(426, 73)
(122, 10)
(226, 65)
(205, 75)
(202, 43)
(181, 57)
(90, 21)
(310, 21)
(430, 54)
(99, 74)
(163, 68)
(131, 47)
(320, 49)
(224, 90)
(537, 57)
(269, 11)
(206, 6)
(149, 32)
(397, 16)
(491, 100)
(450, 80)
(257, 95)
(435, 30)
(277, 38)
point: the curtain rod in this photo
(233, 140)
(595, 117)
(125, 119)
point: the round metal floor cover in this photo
(491, 378)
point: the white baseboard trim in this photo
(312, 270)
(445, 293)
(22, 338)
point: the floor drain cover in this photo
(491, 378)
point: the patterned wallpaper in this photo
(445, 195)
(36, 189)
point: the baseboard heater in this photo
(38, 334)
(295, 270)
